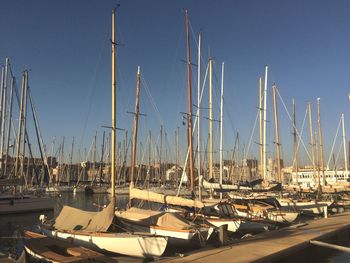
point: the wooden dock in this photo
(272, 245)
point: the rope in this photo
(301, 133)
(296, 130)
(334, 141)
(194, 129)
(251, 135)
(151, 99)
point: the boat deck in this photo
(272, 245)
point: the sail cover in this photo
(72, 218)
(155, 218)
(164, 199)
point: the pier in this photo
(272, 245)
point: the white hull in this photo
(121, 243)
(27, 204)
(306, 206)
(232, 224)
(58, 189)
(282, 216)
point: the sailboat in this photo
(172, 225)
(97, 230)
(43, 248)
(13, 198)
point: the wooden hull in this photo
(24, 205)
(121, 243)
(43, 248)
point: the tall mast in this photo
(161, 155)
(199, 114)
(3, 117)
(1, 106)
(113, 105)
(136, 119)
(20, 123)
(295, 144)
(320, 139)
(261, 127)
(277, 135)
(94, 152)
(177, 154)
(9, 124)
(312, 141)
(221, 121)
(344, 143)
(211, 172)
(102, 155)
(317, 161)
(149, 154)
(24, 120)
(264, 128)
(189, 104)
(71, 161)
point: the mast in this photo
(94, 153)
(9, 124)
(62, 159)
(264, 128)
(177, 155)
(320, 139)
(113, 105)
(277, 135)
(20, 124)
(261, 127)
(221, 121)
(3, 117)
(149, 154)
(317, 161)
(344, 143)
(134, 139)
(199, 114)
(295, 144)
(1, 106)
(189, 104)
(71, 161)
(102, 155)
(160, 155)
(211, 172)
(24, 120)
(312, 141)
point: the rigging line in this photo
(195, 40)
(226, 111)
(151, 99)
(337, 157)
(193, 132)
(334, 141)
(251, 135)
(93, 88)
(139, 170)
(290, 118)
(182, 95)
(299, 138)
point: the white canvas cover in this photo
(164, 199)
(155, 218)
(72, 218)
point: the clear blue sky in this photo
(65, 44)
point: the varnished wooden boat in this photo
(43, 248)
